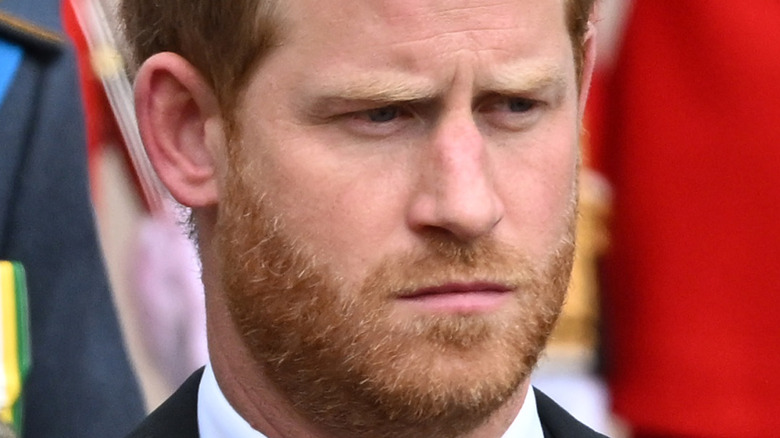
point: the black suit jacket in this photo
(177, 417)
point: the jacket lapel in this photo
(177, 417)
(557, 423)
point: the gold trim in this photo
(26, 28)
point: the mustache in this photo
(441, 261)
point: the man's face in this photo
(396, 226)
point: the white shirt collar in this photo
(217, 419)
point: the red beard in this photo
(347, 361)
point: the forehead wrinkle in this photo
(452, 11)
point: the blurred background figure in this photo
(686, 126)
(80, 383)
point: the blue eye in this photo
(520, 105)
(383, 114)
(377, 119)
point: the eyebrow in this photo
(395, 86)
(377, 87)
(522, 78)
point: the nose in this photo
(456, 192)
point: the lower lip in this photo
(458, 302)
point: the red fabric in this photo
(100, 126)
(593, 137)
(692, 146)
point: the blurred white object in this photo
(169, 298)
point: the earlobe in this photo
(181, 127)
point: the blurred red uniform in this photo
(690, 140)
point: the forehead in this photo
(419, 15)
(412, 30)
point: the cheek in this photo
(349, 227)
(344, 207)
(538, 190)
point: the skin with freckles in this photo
(387, 235)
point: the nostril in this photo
(456, 217)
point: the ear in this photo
(588, 64)
(181, 127)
